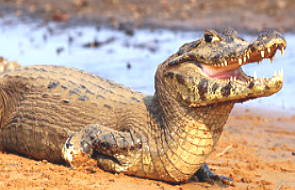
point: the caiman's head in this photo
(208, 71)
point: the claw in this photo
(76, 152)
(204, 174)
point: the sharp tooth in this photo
(222, 64)
(262, 53)
(245, 59)
(225, 62)
(282, 73)
(268, 49)
(240, 61)
(248, 55)
(282, 51)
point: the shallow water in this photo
(30, 44)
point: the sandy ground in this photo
(243, 15)
(257, 151)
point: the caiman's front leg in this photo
(110, 148)
(204, 174)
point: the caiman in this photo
(61, 114)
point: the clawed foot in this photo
(204, 174)
(76, 152)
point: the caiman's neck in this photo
(175, 111)
(175, 115)
(185, 136)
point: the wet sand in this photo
(257, 150)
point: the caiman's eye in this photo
(208, 37)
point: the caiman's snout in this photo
(270, 37)
(265, 45)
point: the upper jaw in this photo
(243, 52)
(228, 66)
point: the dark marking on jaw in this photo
(107, 106)
(215, 87)
(225, 91)
(53, 85)
(251, 85)
(180, 79)
(203, 88)
(170, 75)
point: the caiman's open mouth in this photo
(209, 70)
(230, 68)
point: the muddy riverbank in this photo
(246, 16)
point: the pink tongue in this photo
(223, 75)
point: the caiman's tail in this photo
(6, 66)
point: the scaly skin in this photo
(57, 113)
